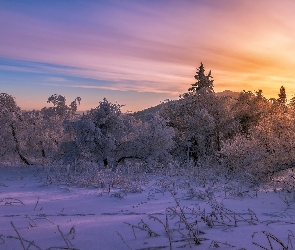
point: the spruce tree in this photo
(204, 84)
(282, 95)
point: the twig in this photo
(182, 216)
(19, 237)
(267, 222)
(23, 185)
(14, 200)
(216, 244)
(36, 204)
(124, 240)
(166, 227)
(31, 225)
(31, 243)
(270, 237)
(72, 232)
(144, 227)
(2, 238)
(65, 240)
(290, 235)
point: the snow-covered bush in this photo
(268, 148)
(201, 123)
(107, 136)
(41, 132)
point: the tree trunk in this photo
(218, 140)
(42, 149)
(24, 160)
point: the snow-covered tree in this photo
(106, 135)
(201, 122)
(39, 136)
(10, 120)
(282, 95)
(204, 83)
(60, 109)
(292, 103)
(149, 141)
(268, 148)
(249, 108)
(41, 132)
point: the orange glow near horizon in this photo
(148, 49)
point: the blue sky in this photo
(140, 53)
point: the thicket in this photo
(250, 137)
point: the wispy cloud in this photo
(152, 46)
(57, 79)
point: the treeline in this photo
(250, 136)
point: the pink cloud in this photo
(159, 48)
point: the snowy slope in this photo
(67, 217)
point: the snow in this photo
(93, 218)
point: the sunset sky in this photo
(139, 53)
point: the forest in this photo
(249, 137)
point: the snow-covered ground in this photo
(167, 214)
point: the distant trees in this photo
(103, 135)
(251, 137)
